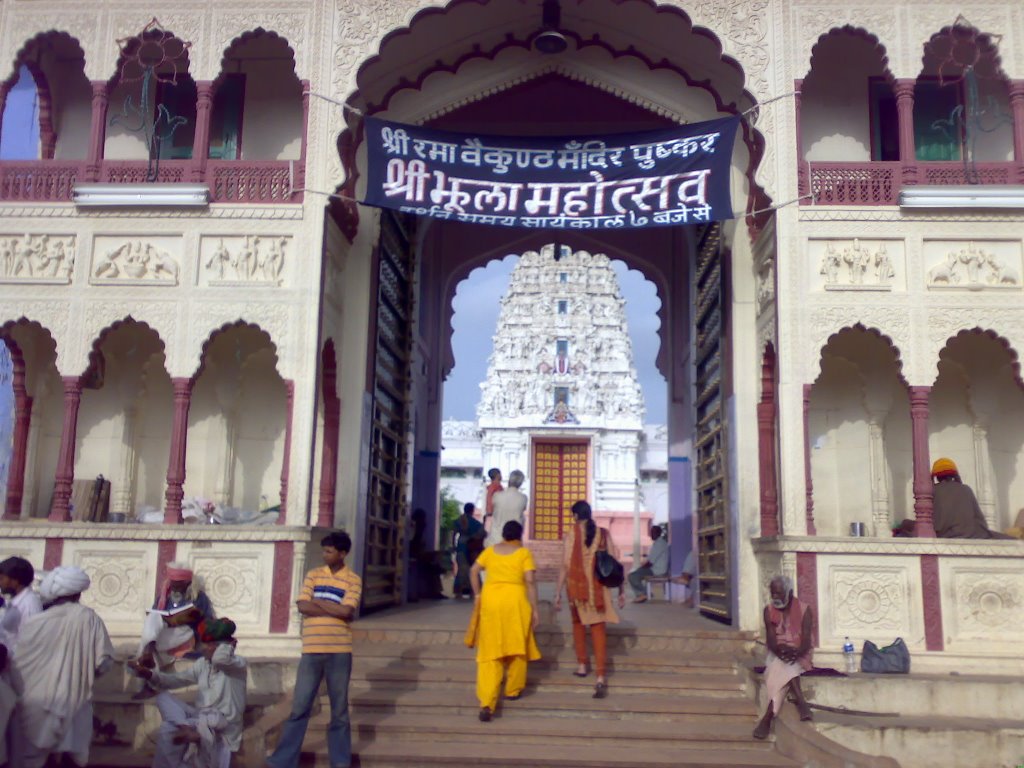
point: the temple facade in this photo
(198, 309)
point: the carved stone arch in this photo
(253, 34)
(945, 50)
(853, 31)
(17, 352)
(1012, 358)
(212, 336)
(153, 33)
(873, 332)
(741, 95)
(102, 319)
(93, 375)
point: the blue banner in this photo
(657, 178)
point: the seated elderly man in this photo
(168, 632)
(788, 627)
(956, 514)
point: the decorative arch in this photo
(245, 37)
(1011, 352)
(173, 50)
(959, 46)
(93, 375)
(212, 336)
(871, 331)
(857, 32)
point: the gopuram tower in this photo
(561, 400)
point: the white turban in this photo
(63, 581)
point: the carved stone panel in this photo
(143, 260)
(972, 265)
(861, 599)
(236, 578)
(856, 265)
(250, 260)
(37, 258)
(983, 601)
(123, 580)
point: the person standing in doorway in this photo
(328, 603)
(508, 505)
(589, 601)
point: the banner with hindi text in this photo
(657, 178)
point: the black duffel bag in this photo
(892, 659)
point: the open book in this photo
(173, 611)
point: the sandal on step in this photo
(485, 714)
(600, 690)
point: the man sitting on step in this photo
(788, 627)
(204, 735)
(655, 566)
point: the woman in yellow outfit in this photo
(508, 616)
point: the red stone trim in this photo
(166, 551)
(808, 479)
(331, 429)
(922, 462)
(65, 473)
(807, 585)
(766, 414)
(931, 597)
(281, 590)
(53, 554)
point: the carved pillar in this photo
(300, 172)
(880, 515)
(766, 448)
(223, 492)
(22, 422)
(905, 118)
(811, 530)
(201, 142)
(1017, 107)
(802, 170)
(123, 485)
(329, 454)
(176, 463)
(983, 473)
(922, 465)
(289, 387)
(97, 130)
(65, 474)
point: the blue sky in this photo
(476, 319)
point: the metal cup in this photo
(857, 529)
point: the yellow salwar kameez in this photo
(504, 638)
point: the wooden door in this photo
(560, 479)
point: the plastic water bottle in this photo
(850, 655)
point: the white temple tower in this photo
(561, 400)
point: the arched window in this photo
(19, 139)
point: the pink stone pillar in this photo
(22, 419)
(329, 462)
(201, 141)
(766, 448)
(931, 598)
(176, 463)
(1017, 106)
(65, 474)
(905, 117)
(281, 591)
(289, 386)
(922, 464)
(809, 482)
(97, 130)
(807, 586)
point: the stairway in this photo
(675, 699)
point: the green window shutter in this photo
(226, 122)
(937, 127)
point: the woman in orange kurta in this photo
(508, 615)
(590, 602)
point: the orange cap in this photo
(944, 467)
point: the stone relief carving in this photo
(37, 258)
(989, 601)
(459, 430)
(251, 259)
(117, 581)
(765, 286)
(974, 268)
(857, 266)
(875, 601)
(230, 583)
(136, 260)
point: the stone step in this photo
(533, 730)
(464, 678)
(454, 751)
(559, 657)
(617, 706)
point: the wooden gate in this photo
(383, 572)
(560, 479)
(710, 448)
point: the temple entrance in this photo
(560, 479)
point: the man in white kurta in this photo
(16, 577)
(509, 504)
(59, 654)
(204, 735)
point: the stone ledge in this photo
(889, 546)
(45, 529)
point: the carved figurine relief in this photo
(250, 259)
(37, 258)
(857, 266)
(974, 268)
(134, 261)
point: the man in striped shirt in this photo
(328, 603)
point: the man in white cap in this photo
(59, 654)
